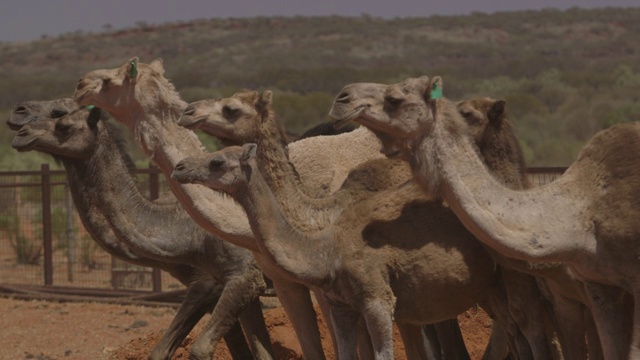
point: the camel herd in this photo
(412, 218)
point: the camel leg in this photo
(296, 301)
(237, 295)
(498, 345)
(608, 316)
(593, 341)
(345, 325)
(569, 317)
(252, 321)
(378, 314)
(201, 297)
(451, 340)
(527, 310)
(634, 351)
(420, 344)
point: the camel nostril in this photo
(343, 98)
(179, 167)
(22, 132)
(20, 110)
(190, 110)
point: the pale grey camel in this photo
(97, 168)
(202, 293)
(139, 96)
(586, 219)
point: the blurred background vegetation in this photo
(565, 74)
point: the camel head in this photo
(224, 170)
(29, 111)
(395, 113)
(119, 89)
(73, 135)
(231, 119)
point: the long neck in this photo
(161, 232)
(304, 256)
(526, 225)
(308, 214)
(158, 133)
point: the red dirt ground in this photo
(78, 331)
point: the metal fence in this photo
(42, 241)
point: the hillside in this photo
(565, 74)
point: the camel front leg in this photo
(296, 301)
(236, 297)
(451, 340)
(201, 297)
(419, 344)
(252, 321)
(345, 325)
(378, 315)
(609, 316)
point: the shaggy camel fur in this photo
(586, 219)
(94, 159)
(233, 119)
(326, 227)
(203, 291)
(148, 104)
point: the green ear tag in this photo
(134, 70)
(436, 91)
(89, 107)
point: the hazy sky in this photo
(29, 19)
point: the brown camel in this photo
(92, 153)
(139, 96)
(318, 221)
(232, 120)
(203, 292)
(586, 219)
(359, 276)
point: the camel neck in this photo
(303, 256)
(301, 210)
(167, 143)
(517, 224)
(149, 229)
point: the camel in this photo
(232, 121)
(321, 215)
(202, 294)
(92, 152)
(139, 96)
(234, 131)
(586, 219)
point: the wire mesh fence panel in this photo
(76, 260)
(544, 175)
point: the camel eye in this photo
(466, 114)
(230, 112)
(57, 113)
(63, 127)
(394, 102)
(215, 164)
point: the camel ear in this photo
(249, 151)
(496, 111)
(264, 99)
(132, 67)
(94, 116)
(434, 88)
(157, 65)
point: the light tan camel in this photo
(92, 152)
(333, 229)
(139, 96)
(371, 275)
(233, 119)
(586, 219)
(203, 291)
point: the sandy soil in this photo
(45, 330)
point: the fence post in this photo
(46, 224)
(154, 193)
